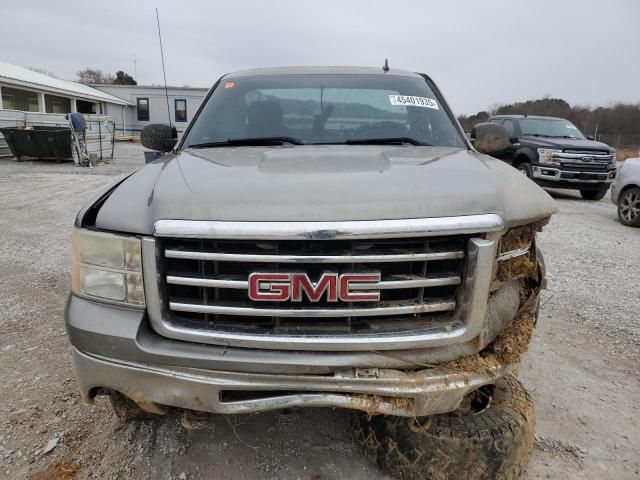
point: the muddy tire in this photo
(594, 194)
(127, 410)
(494, 444)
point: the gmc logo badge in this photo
(281, 287)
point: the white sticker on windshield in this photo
(571, 127)
(409, 101)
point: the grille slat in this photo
(394, 282)
(241, 257)
(437, 306)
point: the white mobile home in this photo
(149, 105)
(28, 91)
(29, 98)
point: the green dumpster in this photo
(40, 142)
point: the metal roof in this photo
(23, 77)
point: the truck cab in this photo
(554, 153)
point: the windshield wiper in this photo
(248, 142)
(386, 141)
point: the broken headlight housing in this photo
(107, 267)
(545, 155)
(517, 254)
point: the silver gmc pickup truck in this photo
(320, 237)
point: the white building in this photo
(28, 91)
(131, 107)
(149, 105)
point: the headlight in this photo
(545, 155)
(107, 267)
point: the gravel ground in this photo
(583, 368)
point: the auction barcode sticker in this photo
(413, 101)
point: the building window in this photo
(143, 109)
(56, 107)
(8, 102)
(181, 110)
(32, 103)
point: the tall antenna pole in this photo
(164, 73)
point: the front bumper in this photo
(385, 391)
(559, 178)
(116, 349)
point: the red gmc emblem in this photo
(346, 287)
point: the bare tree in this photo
(91, 76)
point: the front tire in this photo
(526, 168)
(594, 194)
(494, 443)
(629, 207)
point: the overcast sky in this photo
(480, 52)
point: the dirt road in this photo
(583, 367)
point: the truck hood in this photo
(567, 143)
(321, 183)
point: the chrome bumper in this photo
(555, 175)
(384, 391)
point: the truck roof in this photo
(322, 71)
(528, 116)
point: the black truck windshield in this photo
(549, 127)
(323, 109)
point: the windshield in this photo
(323, 109)
(549, 127)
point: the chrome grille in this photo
(205, 283)
(596, 160)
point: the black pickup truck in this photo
(555, 153)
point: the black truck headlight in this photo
(107, 267)
(545, 155)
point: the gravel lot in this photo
(583, 368)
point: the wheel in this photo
(490, 437)
(525, 168)
(594, 194)
(127, 410)
(629, 207)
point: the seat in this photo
(264, 119)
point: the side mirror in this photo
(489, 137)
(590, 137)
(159, 137)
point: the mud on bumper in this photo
(384, 391)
